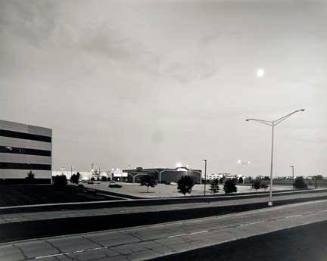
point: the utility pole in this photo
(205, 177)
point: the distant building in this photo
(213, 176)
(163, 175)
(23, 149)
(119, 175)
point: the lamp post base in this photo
(270, 204)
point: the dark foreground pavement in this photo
(280, 228)
(55, 223)
(307, 242)
(71, 225)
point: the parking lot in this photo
(162, 190)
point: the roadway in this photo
(173, 238)
(25, 225)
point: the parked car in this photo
(113, 184)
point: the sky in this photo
(154, 82)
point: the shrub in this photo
(30, 179)
(185, 185)
(214, 187)
(264, 184)
(256, 184)
(299, 183)
(230, 186)
(59, 181)
(75, 178)
(148, 181)
(104, 178)
(222, 180)
(316, 180)
(240, 180)
(260, 182)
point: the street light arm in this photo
(276, 122)
(269, 123)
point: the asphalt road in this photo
(33, 225)
(195, 235)
(304, 243)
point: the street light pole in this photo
(293, 174)
(272, 124)
(205, 177)
(271, 165)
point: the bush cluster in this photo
(214, 186)
(59, 181)
(185, 184)
(259, 183)
(230, 186)
(299, 183)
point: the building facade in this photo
(164, 175)
(24, 149)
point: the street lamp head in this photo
(302, 110)
(247, 120)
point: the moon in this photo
(260, 72)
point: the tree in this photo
(222, 180)
(299, 183)
(260, 183)
(75, 178)
(264, 184)
(240, 180)
(104, 178)
(316, 179)
(256, 184)
(148, 181)
(214, 187)
(59, 181)
(230, 186)
(185, 185)
(30, 179)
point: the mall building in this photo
(24, 149)
(164, 175)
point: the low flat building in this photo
(164, 175)
(25, 149)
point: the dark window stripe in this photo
(22, 135)
(9, 165)
(8, 149)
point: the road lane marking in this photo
(251, 223)
(179, 235)
(292, 216)
(54, 255)
(199, 232)
(79, 251)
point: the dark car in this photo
(113, 184)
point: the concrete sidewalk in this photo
(151, 241)
(50, 215)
